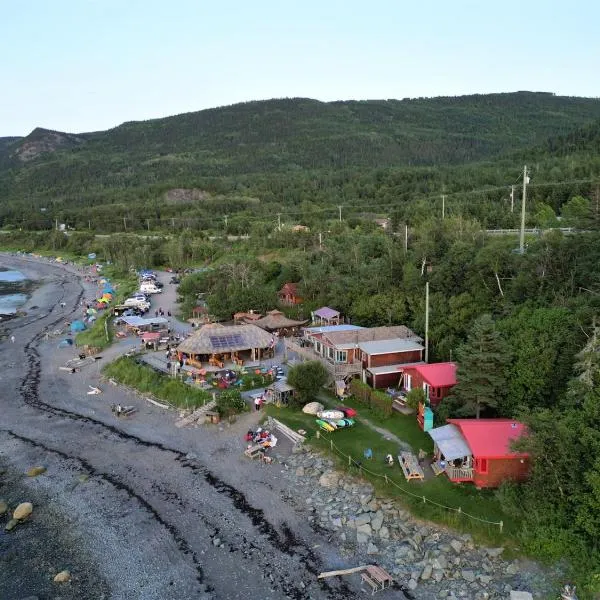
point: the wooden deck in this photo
(410, 466)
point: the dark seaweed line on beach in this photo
(29, 392)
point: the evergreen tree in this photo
(481, 365)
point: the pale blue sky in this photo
(85, 65)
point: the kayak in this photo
(344, 423)
(331, 414)
(325, 425)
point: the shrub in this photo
(230, 402)
(415, 397)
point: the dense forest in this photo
(234, 168)
(180, 192)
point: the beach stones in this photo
(35, 471)
(62, 577)
(3, 507)
(11, 525)
(23, 511)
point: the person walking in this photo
(12, 339)
(257, 402)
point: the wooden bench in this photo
(254, 451)
(410, 466)
(377, 578)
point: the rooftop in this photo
(371, 334)
(438, 374)
(212, 339)
(330, 328)
(390, 346)
(386, 369)
(491, 438)
(326, 313)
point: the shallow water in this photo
(13, 285)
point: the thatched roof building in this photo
(275, 320)
(218, 339)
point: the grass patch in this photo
(352, 442)
(127, 371)
(101, 334)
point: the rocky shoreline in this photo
(438, 563)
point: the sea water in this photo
(12, 286)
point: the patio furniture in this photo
(410, 466)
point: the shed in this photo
(280, 392)
(436, 379)
(289, 294)
(325, 316)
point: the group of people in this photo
(262, 437)
(160, 312)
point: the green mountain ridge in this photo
(289, 151)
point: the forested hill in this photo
(292, 133)
(285, 152)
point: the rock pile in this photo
(439, 562)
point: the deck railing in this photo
(336, 370)
(459, 472)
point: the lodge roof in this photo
(289, 289)
(217, 339)
(438, 374)
(275, 319)
(390, 346)
(371, 334)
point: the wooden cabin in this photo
(289, 294)
(480, 451)
(436, 379)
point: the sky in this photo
(89, 65)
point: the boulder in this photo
(329, 479)
(312, 408)
(11, 524)
(468, 575)
(516, 595)
(484, 579)
(300, 472)
(439, 562)
(35, 471)
(23, 511)
(426, 573)
(364, 529)
(336, 522)
(372, 549)
(456, 546)
(362, 519)
(494, 552)
(512, 569)
(62, 577)
(384, 533)
(412, 584)
(361, 538)
(377, 521)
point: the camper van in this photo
(149, 287)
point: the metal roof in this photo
(396, 368)
(450, 441)
(389, 346)
(281, 386)
(330, 328)
(326, 313)
(139, 322)
(491, 438)
(438, 374)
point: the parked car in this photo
(150, 288)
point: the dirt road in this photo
(135, 508)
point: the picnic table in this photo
(377, 578)
(410, 466)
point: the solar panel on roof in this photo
(226, 341)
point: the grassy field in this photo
(352, 443)
(127, 371)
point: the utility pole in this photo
(522, 236)
(443, 206)
(340, 209)
(56, 224)
(148, 224)
(406, 238)
(278, 221)
(427, 322)
(512, 198)
(320, 240)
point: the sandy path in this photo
(147, 516)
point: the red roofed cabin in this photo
(436, 379)
(480, 450)
(288, 294)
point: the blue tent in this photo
(108, 290)
(65, 343)
(77, 326)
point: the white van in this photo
(149, 287)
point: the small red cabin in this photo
(480, 450)
(288, 294)
(436, 379)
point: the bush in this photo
(230, 402)
(415, 397)
(126, 371)
(307, 379)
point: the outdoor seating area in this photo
(410, 466)
(259, 442)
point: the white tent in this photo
(450, 442)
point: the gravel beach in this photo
(137, 508)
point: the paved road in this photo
(146, 510)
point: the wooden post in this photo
(424, 500)
(386, 479)
(501, 526)
(349, 461)
(331, 444)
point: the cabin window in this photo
(481, 465)
(318, 347)
(341, 356)
(330, 353)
